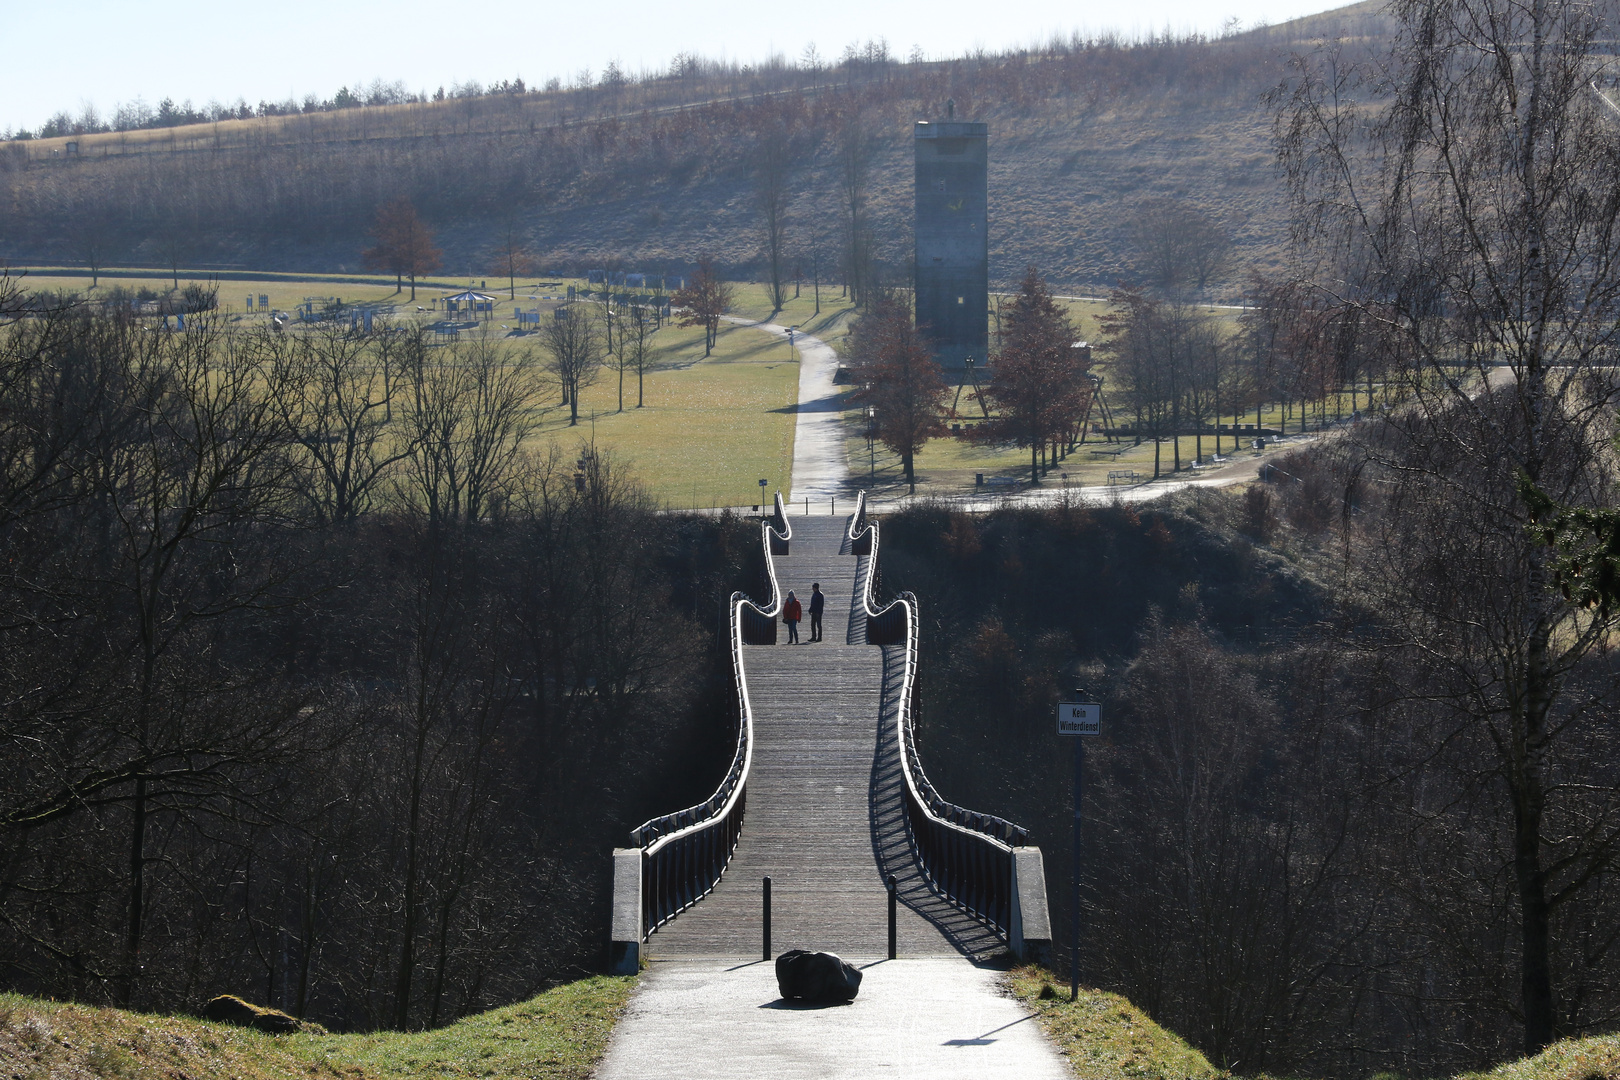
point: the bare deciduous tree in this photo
(469, 407)
(1463, 193)
(575, 353)
(338, 406)
(1180, 244)
(771, 178)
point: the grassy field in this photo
(711, 428)
(948, 466)
(286, 294)
(557, 1035)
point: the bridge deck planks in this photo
(823, 815)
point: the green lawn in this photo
(711, 428)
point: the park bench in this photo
(1123, 476)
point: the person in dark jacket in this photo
(818, 602)
(792, 612)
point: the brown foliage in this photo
(1038, 385)
(900, 379)
(404, 245)
(703, 300)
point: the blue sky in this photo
(61, 55)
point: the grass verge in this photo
(1103, 1036)
(557, 1035)
(1595, 1058)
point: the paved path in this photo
(933, 1019)
(824, 820)
(820, 467)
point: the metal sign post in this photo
(1077, 718)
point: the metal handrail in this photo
(684, 854)
(966, 856)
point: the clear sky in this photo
(62, 54)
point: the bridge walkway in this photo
(824, 812)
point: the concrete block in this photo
(624, 955)
(1031, 932)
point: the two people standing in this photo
(793, 611)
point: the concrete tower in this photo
(953, 247)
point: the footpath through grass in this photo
(558, 1035)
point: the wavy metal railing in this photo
(967, 857)
(683, 854)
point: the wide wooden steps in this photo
(824, 812)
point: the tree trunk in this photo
(1526, 775)
(137, 893)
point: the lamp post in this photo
(871, 452)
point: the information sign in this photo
(1079, 718)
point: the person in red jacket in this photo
(792, 612)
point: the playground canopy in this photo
(469, 297)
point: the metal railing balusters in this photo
(684, 854)
(967, 858)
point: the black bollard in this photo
(893, 892)
(767, 916)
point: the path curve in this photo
(820, 467)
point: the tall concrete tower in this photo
(952, 235)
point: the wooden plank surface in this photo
(824, 811)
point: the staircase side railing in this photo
(969, 858)
(682, 856)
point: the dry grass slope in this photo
(557, 1035)
(653, 175)
(1102, 1036)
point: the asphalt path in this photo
(820, 466)
(939, 1019)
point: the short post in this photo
(767, 916)
(893, 893)
(1074, 873)
(1077, 718)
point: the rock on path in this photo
(940, 1019)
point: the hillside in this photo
(650, 175)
